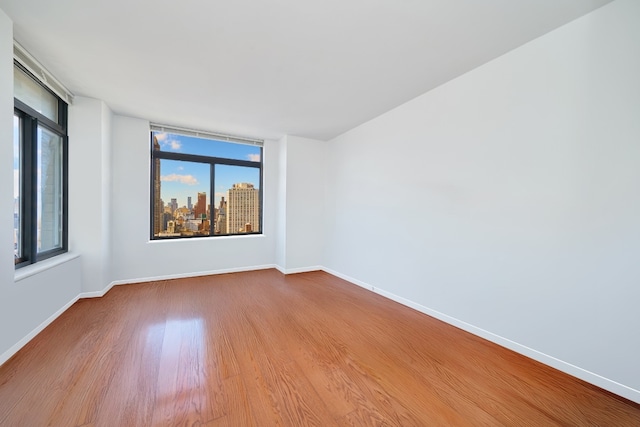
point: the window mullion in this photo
(204, 159)
(65, 189)
(30, 201)
(260, 193)
(212, 189)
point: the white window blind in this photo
(32, 65)
(208, 135)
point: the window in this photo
(204, 184)
(40, 170)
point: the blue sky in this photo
(183, 179)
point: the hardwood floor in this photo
(262, 349)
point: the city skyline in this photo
(183, 179)
(238, 213)
(183, 201)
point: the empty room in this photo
(350, 213)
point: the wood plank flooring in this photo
(264, 349)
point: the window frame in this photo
(30, 120)
(212, 161)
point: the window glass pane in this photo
(183, 205)
(175, 143)
(237, 200)
(35, 96)
(49, 178)
(17, 188)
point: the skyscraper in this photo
(201, 206)
(158, 208)
(243, 207)
(189, 205)
(221, 219)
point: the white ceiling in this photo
(266, 68)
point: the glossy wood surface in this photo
(264, 349)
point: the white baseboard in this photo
(299, 269)
(101, 293)
(583, 374)
(348, 279)
(17, 346)
(96, 294)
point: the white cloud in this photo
(183, 179)
(165, 142)
(160, 136)
(254, 157)
(175, 145)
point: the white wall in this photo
(509, 199)
(89, 188)
(135, 257)
(106, 185)
(300, 211)
(6, 175)
(41, 291)
(281, 205)
(6, 154)
(305, 168)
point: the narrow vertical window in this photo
(50, 194)
(40, 170)
(17, 189)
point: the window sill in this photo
(42, 266)
(209, 238)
